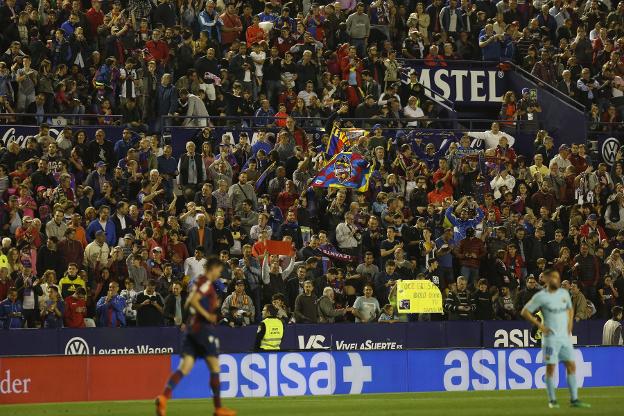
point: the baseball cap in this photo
(158, 249)
(100, 164)
(376, 126)
(564, 147)
(240, 282)
(129, 236)
(592, 217)
(525, 91)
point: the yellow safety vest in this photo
(274, 331)
(538, 333)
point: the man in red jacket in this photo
(76, 309)
(470, 251)
(95, 17)
(157, 49)
(591, 225)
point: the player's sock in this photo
(215, 385)
(550, 388)
(573, 387)
(172, 383)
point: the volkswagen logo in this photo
(77, 346)
(609, 150)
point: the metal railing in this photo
(540, 83)
(59, 119)
(469, 124)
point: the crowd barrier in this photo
(36, 379)
(338, 337)
(523, 139)
(19, 133)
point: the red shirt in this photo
(230, 21)
(95, 19)
(75, 312)
(4, 288)
(437, 198)
(157, 50)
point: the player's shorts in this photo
(200, 343)
(556, 350)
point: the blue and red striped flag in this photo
(344, 170)
(342, 139)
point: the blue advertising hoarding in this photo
(342, 372)
(338, 337)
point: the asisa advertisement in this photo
(356, 372)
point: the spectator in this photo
(458, 304)
(483, 301)
(385, 280)
(358, 29)
(53, 309)
(525, 295)
(580, 304)
(75, 312)
(110, 308)
(505, 307)
(238, 308)
(366, 308)
(149, 306)
(612, 331)
(470, 251)
(11, 311)
(129, 295)
(305, 310)
(327, 311)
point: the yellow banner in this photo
(418, 296)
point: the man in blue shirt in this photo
(122, 145)
(462, 223)
(267, 15)
(490, 43)
(11, 311)
(168, 168)
(110, 308)
(264, 115)
(556, 307)
(105, 224)
(444, 254)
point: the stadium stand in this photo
(140, 138)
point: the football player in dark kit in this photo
(199, 339)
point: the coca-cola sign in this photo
(20, 134)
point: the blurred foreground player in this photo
(556, 327)
(199, 339)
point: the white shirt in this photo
(345, 235)
(193, 267)
(305, 96)
(612, 330)
(491, 139)
(562, 163)
(498, 182)
(258, 60)
(412, 113)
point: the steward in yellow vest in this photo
(270, 330)
(535, 331)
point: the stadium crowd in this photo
(114, 229)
